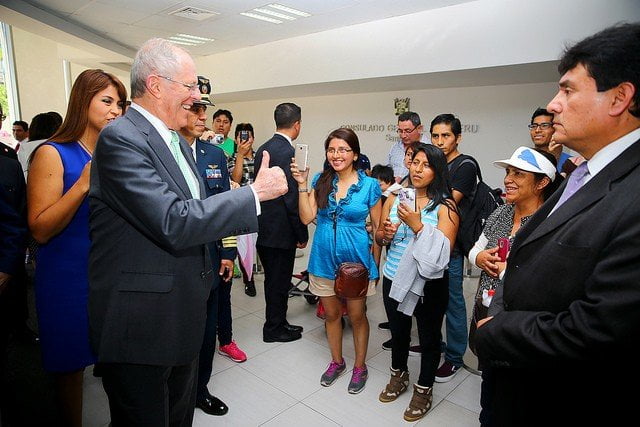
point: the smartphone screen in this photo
(408, 197)
(302, 156)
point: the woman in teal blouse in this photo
(341, 197)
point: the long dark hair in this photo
(439, 190)
(86, 86)
(323, 186)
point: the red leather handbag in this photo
(352, 280)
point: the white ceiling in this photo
(128, 23)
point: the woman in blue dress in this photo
(58, 212)
(341, 197)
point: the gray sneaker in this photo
(334, 370)
(358, 379)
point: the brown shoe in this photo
(397, 385)
(420, 403)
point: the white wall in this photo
(472, 35)
(40, 76)
(501, 113)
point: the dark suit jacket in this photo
(280, 225)
(13, 223)
(13, 243)
(149, 274)
(570, 326)
(212, 167)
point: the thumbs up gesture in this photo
(270, 182)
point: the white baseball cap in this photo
(529, 160)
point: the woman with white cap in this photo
(530, 178)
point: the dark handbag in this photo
(352, 280)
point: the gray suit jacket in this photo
(148, 266)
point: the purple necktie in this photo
(576, 180)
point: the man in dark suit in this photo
(281, 230)
(211, 163)
(149, 272)
(13, 241)
(563, 329)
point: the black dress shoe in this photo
(283, 336)
(293, 328)
(250, 288)
(212, 405)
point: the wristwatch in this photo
(303, 190)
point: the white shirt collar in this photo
(610, 152)
(158, 124)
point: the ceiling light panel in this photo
(289, 10)
(189, 40)
(273, 13)
(261, 17)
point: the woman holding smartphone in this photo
(404, 230)
(530, 178)
(341, 197)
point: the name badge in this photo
(213, 173)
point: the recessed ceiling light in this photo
(276, 14)
(261, 17)
(189, 36)
(182, 43)
(289, 10)
(181, 39)
(189, 40)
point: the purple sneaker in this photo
(334, 370)
(358, 379)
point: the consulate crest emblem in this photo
(401, 105)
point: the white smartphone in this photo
(408, 197)
(302, 156)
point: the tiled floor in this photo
(279, 384)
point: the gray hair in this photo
(155, 56)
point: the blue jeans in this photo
(457, 333)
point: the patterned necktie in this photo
(576, 180)
(184, 167)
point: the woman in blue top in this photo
(341, 197)
(430, 178)
(58, 212)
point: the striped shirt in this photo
(402, 237)
(247, 169)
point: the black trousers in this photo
(429, 313)
(208, 349)
(145, 395)
(225, 334)
(278, 268)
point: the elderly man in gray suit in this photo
(149, 274)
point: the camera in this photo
(244, 135)
(217, 139)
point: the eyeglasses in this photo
(198, 108)
(190, 86)
(544, 125)
(340, 150)
(406, 131)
